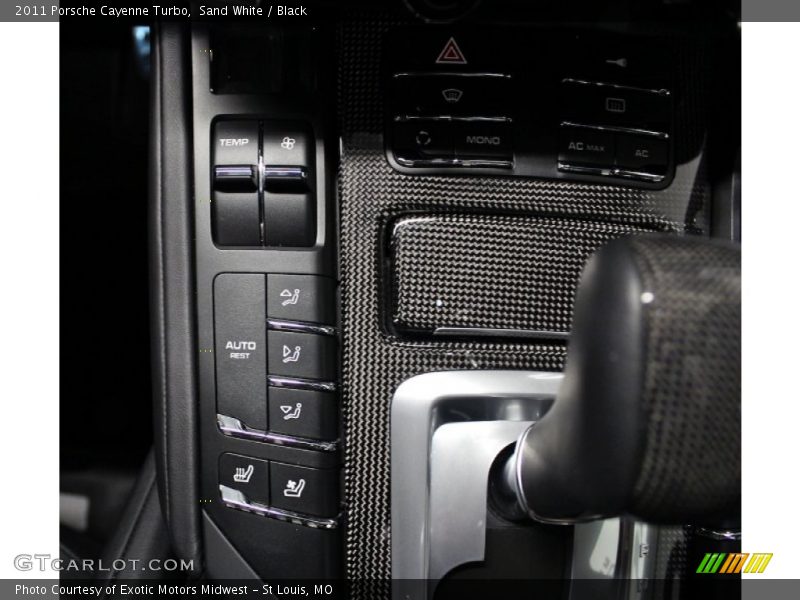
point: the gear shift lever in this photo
(647, 421)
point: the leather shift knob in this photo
(647, 421)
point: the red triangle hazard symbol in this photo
(451, 54)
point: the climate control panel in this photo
(264, 184)
(551, 106)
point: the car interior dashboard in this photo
(364, 240)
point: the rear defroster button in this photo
(483, 140)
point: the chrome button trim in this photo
(235, 428)
(299, 326)
(236, 499)
(301, 384)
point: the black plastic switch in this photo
(581, 146)
(303, 355)
(248, 475)
(235, 219)
(489, 140)
(423, 140)
(286, 179)
(617, 106)
(287, 144)
(303, 413)
(305, 490)
(289, 219)
(234, 143)
(240, 347)
(300, 298)
(236, 178)
(445, 95)
(642, 153)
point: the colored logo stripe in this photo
(758, 563)
(732, 563)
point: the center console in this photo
(267, 303)
(374, 199)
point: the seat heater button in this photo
(248, 475)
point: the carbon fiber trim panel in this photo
(372, 195)
(490, 271)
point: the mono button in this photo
(483, 140)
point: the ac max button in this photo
(581, 146)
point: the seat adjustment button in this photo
(305, 490)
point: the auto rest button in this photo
(581, 146)
(241, 352)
